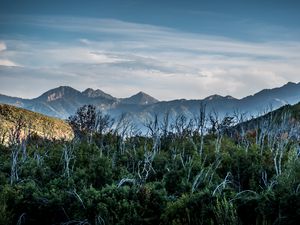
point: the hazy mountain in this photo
(58, 102)
(91, 93)
(287, 94)
(62, 92)
(12, 100)
(63, 101)
(140, 98)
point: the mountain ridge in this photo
(63, 101)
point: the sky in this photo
(168, 49)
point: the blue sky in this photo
(169, 49)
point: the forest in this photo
(201, 170)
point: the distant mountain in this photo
(63, 101)
(219, 98)
(140, 98)
(91, 93)
(12, 100)
(58, 102)
(56, 94)
(287, 94)
(41, 125)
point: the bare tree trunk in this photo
(67, 156)
(14, 165)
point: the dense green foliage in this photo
(160, 178)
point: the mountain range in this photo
(63, 101)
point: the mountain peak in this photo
(278, 92)
(219, 97)
(140, 98)
(229, 97)
(91, 93)
(88, 90)
(58, 93)
(289, 84)
(214, 97)
(141, 93)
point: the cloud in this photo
(84, 41)
(2, 46)
(122, 58)
(149, 36)
(5, 62)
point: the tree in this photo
(84, 122)
(200, 121)
(104, 123)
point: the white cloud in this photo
(123, 58)
(5, 62)
(2, 46)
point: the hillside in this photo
(32, 122)
(284, 120)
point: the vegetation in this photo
(13, 119)
(199, 171)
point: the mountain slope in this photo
(13, 100)
(284, 121)
(287, 94)
(42, 125)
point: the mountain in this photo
(219, 98)
(43, 126)
(62, 92)
(63, 101)
(287, 94)
(12, 100)
(91, 93)
(58, 102)
(140, 98)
